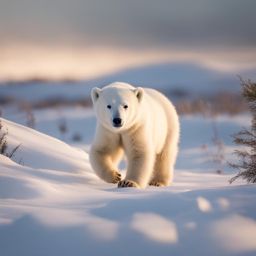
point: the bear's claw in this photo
(157, 184)
(127, 183)
(116, 177)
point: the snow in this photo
(52, 203)
(236, 230)
(203, 204)
(155, 227)
(35, 147)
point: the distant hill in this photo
(187, 78)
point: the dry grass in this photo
(216, 151)
(3, 140)
(4, 145)
(221, 103)
(59, 102)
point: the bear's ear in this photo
(95, 93)
(139, 93)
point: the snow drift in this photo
(51, 203)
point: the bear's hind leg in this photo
(162, 173)
(164, 166)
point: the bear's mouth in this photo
(118, 125)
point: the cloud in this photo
(143, 23)
(84, 39)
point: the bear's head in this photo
(117, 108)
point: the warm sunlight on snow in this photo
(155, 227)
(235, 233)
(203, 204)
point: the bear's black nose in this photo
(117, 122)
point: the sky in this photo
(86, 39)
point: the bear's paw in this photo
(116, 177)
(127, 183)
(157, 183)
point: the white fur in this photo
(148, 136)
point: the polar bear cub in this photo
(140, 123)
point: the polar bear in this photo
(140, 123)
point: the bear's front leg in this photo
(139, 169)
(103, 166)
(140, 160)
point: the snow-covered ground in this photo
(51, 202)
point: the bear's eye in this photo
(109, 106)
(125, 106)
